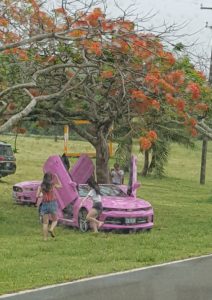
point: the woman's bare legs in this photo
(91, 217)
(53, 225)
(93, 226)
(45, 226)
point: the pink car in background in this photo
(25, 192)
(122, 210)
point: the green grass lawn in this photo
(183, 223)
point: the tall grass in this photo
(183, 223)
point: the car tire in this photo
(82, 222)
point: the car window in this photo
(112, 190)
(106, 190)
(83, 190)
(6, 150)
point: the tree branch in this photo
(17, 117)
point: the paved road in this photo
(183, 280)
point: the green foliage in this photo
(179, 47)
(123, 153)
(167, 133)
(123, 136)
(160, 152)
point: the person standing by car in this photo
(117, 175)
(96, 209)
(48, 208)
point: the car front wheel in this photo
(83, 223)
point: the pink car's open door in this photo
(68, 192)
(82, 170)
(80, 173)
(133, 184)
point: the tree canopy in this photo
(67, 64)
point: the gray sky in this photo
(180, 12)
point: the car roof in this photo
(4, 143)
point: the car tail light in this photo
(17, 189)
(2, 158)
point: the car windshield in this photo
(6, 150)
(106, 190)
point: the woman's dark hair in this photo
(65, 161)
(47, 182)
(94, 185)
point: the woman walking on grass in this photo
(49, 203)
(96, 209)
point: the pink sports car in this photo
(122, 210)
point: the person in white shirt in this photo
(117, 175)
(96, 209)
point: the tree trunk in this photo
(128, 155)
(203, 160)
(15, 145)
(97, 136)
(146, 164)
(56, 133)
(102, 158)
(153, 161)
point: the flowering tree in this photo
(170, 129)
(61, 65)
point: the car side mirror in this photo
(131, 190)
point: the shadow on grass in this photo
(209, 200)
(204, 200)
(2, 181)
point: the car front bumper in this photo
(22, 198)
(7, 168)
(127, 220)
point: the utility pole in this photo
(210, 71)
(205, 7)
(205, 139)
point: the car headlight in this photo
(17, 189)
(147, 208)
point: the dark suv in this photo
(7, 160)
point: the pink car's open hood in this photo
(127, 203)
(26, 184)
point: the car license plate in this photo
(8, 165)
(130, 220)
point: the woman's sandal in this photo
(52, 233)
